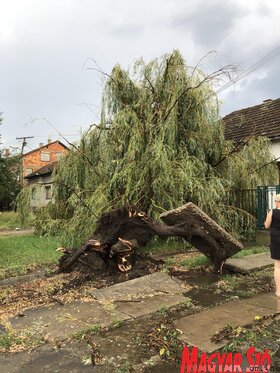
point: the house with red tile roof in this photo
(37, 168)
(259, 120)
(41, 157)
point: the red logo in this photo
(227, 362)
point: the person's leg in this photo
(277, 276)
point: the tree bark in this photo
(206, 235)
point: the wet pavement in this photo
(46, 359)
(133, 302)
(124, 301)
(199, 328)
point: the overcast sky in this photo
(46, 49)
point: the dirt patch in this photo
(16, 232)
(137, 345)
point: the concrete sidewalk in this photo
(199, 328)
(139, 297)
(249, 263)
(120, 302)
(123, 302)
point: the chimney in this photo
(41, 144)
(49, 140)
(7, 152)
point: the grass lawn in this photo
(18, 254)
(250, 251)
(192, 260)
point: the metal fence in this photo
(265, 201)
(255, 201)
(245, 199)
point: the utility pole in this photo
(24, 143)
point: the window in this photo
(45, 157)
(48, 190)
(33, 193)
(58, 156)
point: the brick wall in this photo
(42, 156)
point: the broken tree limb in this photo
(206, 235)
(72, 258)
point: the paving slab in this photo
(145, 286)
(198, 329)
(249, 263)
(61, 321)
(46, 359)
(149, 305)
(267, 300)
(120, 302)
(21, 279)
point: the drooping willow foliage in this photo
(160, 144)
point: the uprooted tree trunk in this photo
(121, 231)
(206, 235)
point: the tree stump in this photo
(204, 233)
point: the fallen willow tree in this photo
(159, 144)
(120, 232)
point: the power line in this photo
(24, 143)
(274, 53)
(30, 147)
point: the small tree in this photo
(9, 186)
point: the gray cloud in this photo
(127, 29)
(209, 21)
(259, 86)
(44, 47)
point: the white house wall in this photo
(275, 149)
(38, 191)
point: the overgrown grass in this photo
(189, 263)
(8, 219)
(250, 251)
(22, 340)
(170, 246)
(245, 286)
(158, 246)
(92, 329)
(194, 260)
(18, 254)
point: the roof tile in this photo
(48, 169)
(259, 120)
